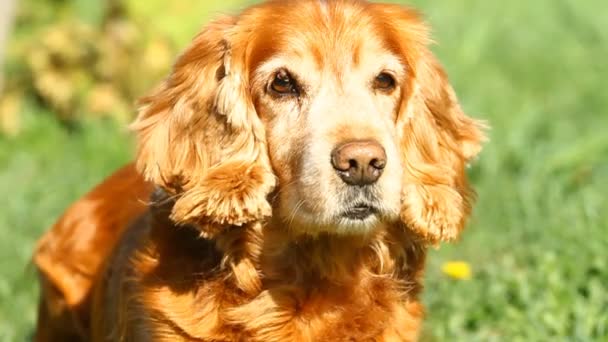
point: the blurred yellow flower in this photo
(10, 105)
(457, 269)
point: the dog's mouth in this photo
(360, 212)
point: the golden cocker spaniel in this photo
(291, 172)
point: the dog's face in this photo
(329, 99)
(329, 116)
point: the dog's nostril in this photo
(359, 162)
(378, 164)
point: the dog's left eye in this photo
(283, 83)
(385, 81)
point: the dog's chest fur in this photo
(226, 289)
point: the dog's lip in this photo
(360, 211)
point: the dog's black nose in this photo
(359, 162)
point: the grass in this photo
(538, 241)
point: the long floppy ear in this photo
(437, 138)
(438, 141)
(200, 139)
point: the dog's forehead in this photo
(331, 33)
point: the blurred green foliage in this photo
(93, 58)
(538, 241)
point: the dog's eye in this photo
(384, 81)
(283, 83)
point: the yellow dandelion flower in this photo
(457, 269)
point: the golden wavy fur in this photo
(250, 235)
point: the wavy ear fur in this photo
(437, 138)
(438, 141)
(200, 139)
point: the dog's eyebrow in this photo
(276, 63)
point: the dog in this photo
(291, 172)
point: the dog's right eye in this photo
(283, 83)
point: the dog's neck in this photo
(324, 257)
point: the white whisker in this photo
(294, 213)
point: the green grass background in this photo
(538, 241)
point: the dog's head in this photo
(329, 116)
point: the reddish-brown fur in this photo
(71, 254)
(212, 258)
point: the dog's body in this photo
(169, 271)
(178, 288)
(304, 155)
